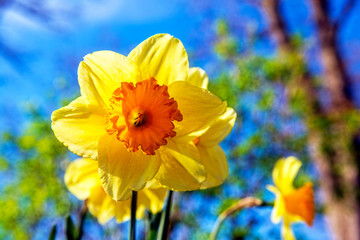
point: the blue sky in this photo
(48, 54)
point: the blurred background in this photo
(290, 68)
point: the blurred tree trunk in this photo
(332, 135)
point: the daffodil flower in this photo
(138, 116)
(211, 154)
(82, 179)
(291, 205)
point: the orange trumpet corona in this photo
(301, 202)
(142, 115)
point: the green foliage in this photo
(222, 28)
(247, 77)
(35, 189)
(4, 165)
(226, 46)
(223, 87)
(264, 91)
(240, 233)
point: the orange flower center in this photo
(142, 115)
(301, 203)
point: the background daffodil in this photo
(291, 205)
(82, 179)
(138, 116)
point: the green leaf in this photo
(53, 233)
(154, 225)
(70, 228)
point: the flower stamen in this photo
(142, 115)
(137, 118)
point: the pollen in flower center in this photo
(142, 115)
(137, 118)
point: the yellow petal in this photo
(215, 164)
(286, 232)
(101, 205)
(284, 173)
(101, 73)
(198, 77)
(199, 108)
(80, 176)
(153, 184)
(122, 211)
(181, 168)
(219, 129)
(162, 57)
(122, 171)
(79, 127)
(151, 199)
(278, 211)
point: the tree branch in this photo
(277, 25)
(278, 30)
(337, 81)
(331, 143)
(344, 15)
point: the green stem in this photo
(165, 218)
(247, 202)
(133, 216)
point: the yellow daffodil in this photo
(211, 154)
(82, 179)
(138, 116)
(291, 205)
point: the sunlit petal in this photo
(216, 166)
(151, 199)
(199, 108)
(101, 205)
(181, 168)
(101, 73)
(122, 171)
(198, 77)
(284, 173)
(286, 232)
(79, 127)
(219, 129)
(162, 57)
(278, 210)
(80, 176)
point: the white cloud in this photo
(67, 13)
(14, 18)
